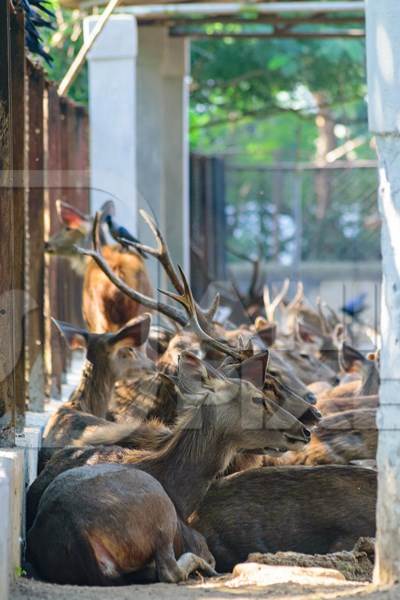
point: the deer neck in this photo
(94, 390)
(369, 379)
(201, 448)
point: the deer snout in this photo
(47, 247)
(311, 416)
(310, 398)
(299, 436)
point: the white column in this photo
(112, 116)
(162, 143)
(383, 62)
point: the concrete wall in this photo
(383, 67)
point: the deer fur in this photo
(299, 509)
(105, 308)
(339, 438)
(109, 357)
(100, 545)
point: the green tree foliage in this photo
(257, 102)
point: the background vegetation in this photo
(262, 102)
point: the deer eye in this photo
(259, 400)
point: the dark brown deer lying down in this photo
(304, 509)
(338, 439)
(109, 357)
(99, 524)
(154, 411)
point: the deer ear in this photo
(133, 334)
(70, 216)
(254, 369)
(74, 336)
(192, 373)
(266, 331)
(349, 356)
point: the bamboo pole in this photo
(79, 60)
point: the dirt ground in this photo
(222, 588)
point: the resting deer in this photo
(339, 438)
(105, 308)
(304, 509)
(116, 520)
(252, 370)
(109, 357)
(366, 373)
(202, 333)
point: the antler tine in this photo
(322, 318)
(187, 300)
(267, 303)
(161, 253)
(96, 254)
(270, 307)
(298, 297)
(211, 311)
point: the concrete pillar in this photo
(162, 140)
(383, 64)
(12, 464)
(112, 116)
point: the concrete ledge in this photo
(12, 465)
(4, 535)
(30, 440)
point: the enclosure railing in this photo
(43, 157)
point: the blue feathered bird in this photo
(120, 233)
(33, 21)
(355, 306)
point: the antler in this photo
(187, 301)
(254, 290)
(96, 254)
(326, 330)
(161, 253)
(298, 297)
(270, 307)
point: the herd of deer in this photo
(186, 447)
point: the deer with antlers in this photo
(132, 518)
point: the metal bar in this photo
(7, 383)
(36, 326)
(20, 307)
(257, 20)
(53, 342)
(199, 34)
(289, 166)
(229, 8)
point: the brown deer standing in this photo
(99, 524)
(104, 307)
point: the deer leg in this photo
(171, 570)
(189, 562)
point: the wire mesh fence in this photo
(292, 213)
